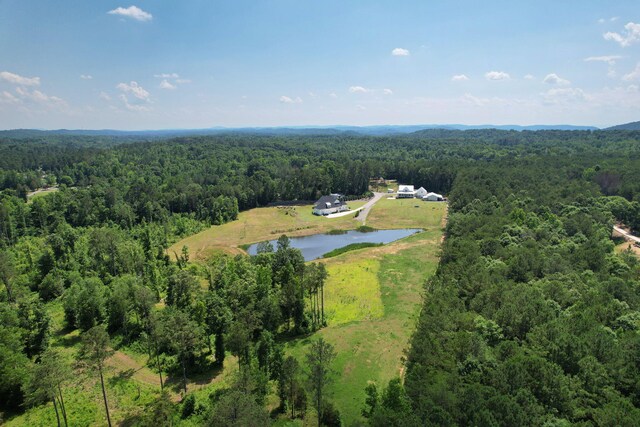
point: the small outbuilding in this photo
(406, 192)
(331, 204)
(433, 197)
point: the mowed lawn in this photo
(372, 300)
(406, 213)
(260, 224)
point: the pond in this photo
(314, 246)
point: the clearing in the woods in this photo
(372, 300)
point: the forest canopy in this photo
(530, 319)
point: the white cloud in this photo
(166, 85)
(7, 98)
(459, 78)
(333, 95)
(135, 89)
(632, 88)
(360, 107)
(19, 80)
(554, 79)
(86, 76)
(564, 96)
(170, 80)
(167, 76)
(529, 77)
(132, 12)
(132, 107)
(474, 100)
(287, 100)
(358, 89)
(633, 75)
(104, 96)
(631, 35)
(38, 97)
(387, 91)
(609, 59)
(497, 75)
(400, 52)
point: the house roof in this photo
(326, 202)
(433, 194)
(405, 189)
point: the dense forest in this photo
(531, 318)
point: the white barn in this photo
(433, 197)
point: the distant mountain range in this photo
(380, 130)
(626, 126)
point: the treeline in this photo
(531, 319)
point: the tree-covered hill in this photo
(627, 126)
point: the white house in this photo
(405, 192)
(433, 197)
(421, 192)
(329, 204)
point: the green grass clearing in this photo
(351, 247)
(40, 193)
(402, 213)
(371, 344)
(260, 224)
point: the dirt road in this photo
(626, 234)
(364, 210)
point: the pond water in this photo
(314, 246)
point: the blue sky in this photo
(193, 64)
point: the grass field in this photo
(257, 225)
(373, 297)
(403, 213)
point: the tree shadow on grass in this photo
(121, 377)
(66, 339)
(174, 382)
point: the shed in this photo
(433, 197)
